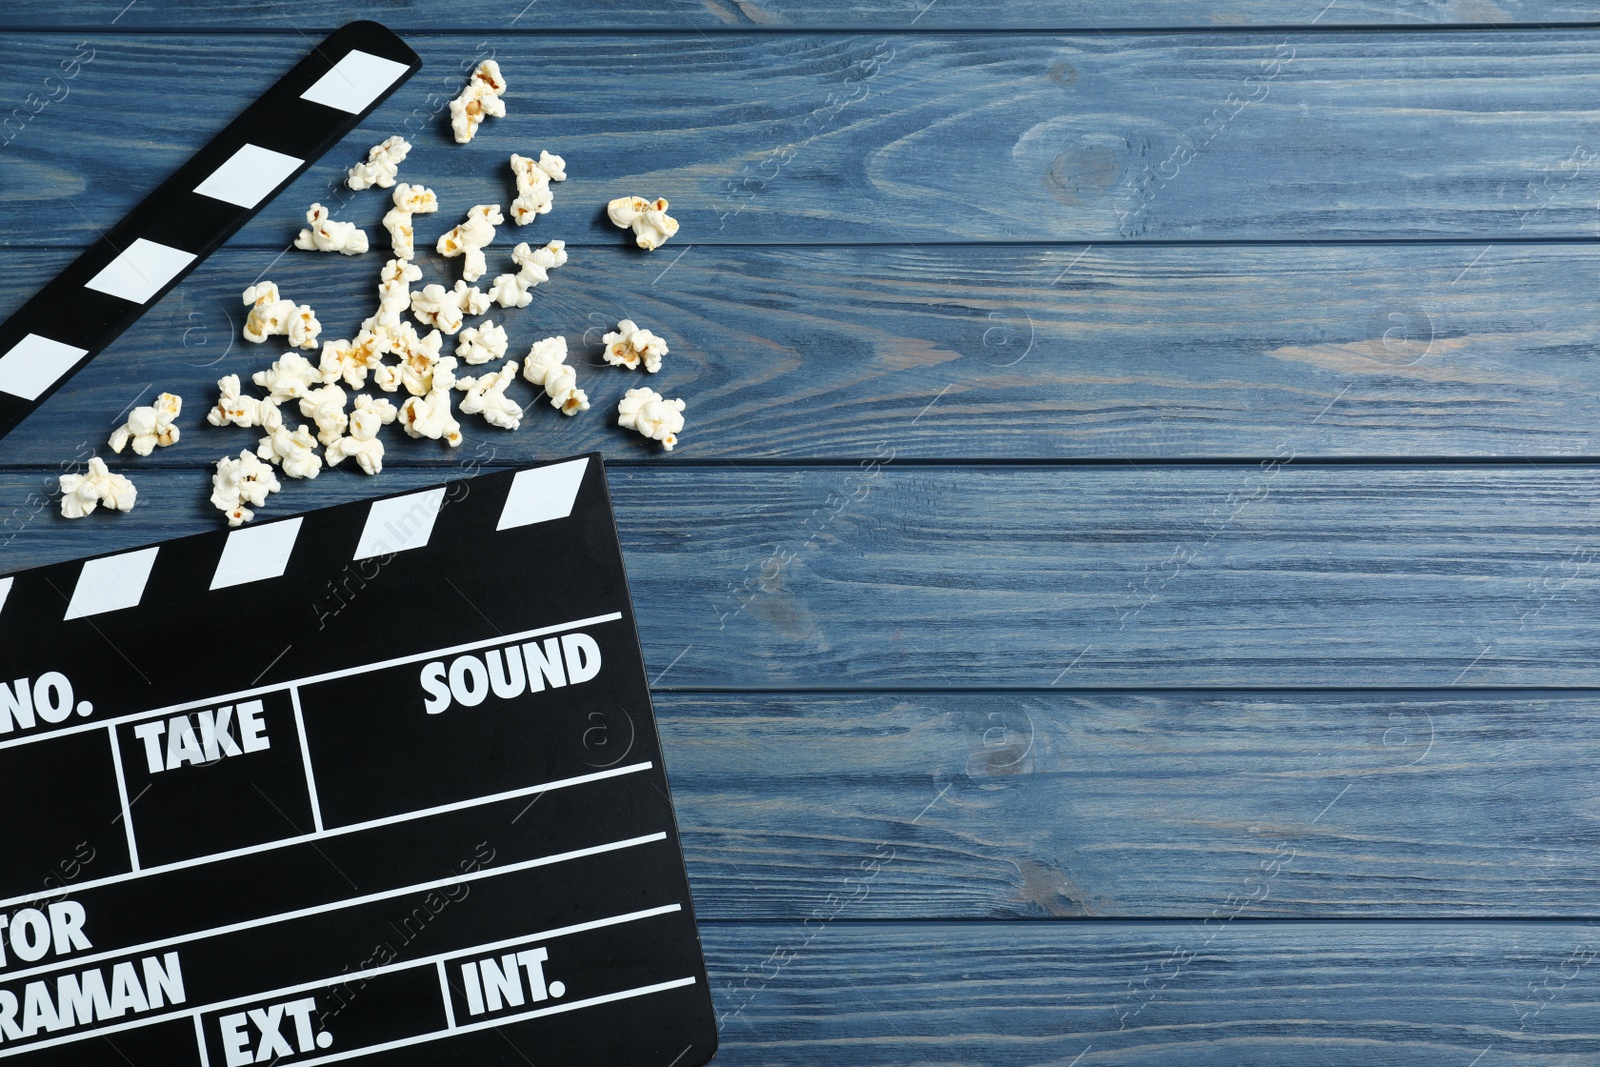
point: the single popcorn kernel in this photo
(649, 413)
(150, 426)
(652, 226)
(324, 235)
(82, 493)
(381, 166)
(629, 346)
(479, 99)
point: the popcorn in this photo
(481, 97)
(362, 444)
(149, 426)
(470, 238)
(512, 290)
(409, 200)
(433, 306)
(233, 409)
(481, 343)
(630, 347)
(651, 414)
(242, 481)
(325, 407)
(394, 291)
(270, 315)
(325, 235)
(429, 416)
(419, 357)
(486, 396)
(289, 377)
(534, 176)
(652, 226)
(546, 366)
(82, 493)
(293, 450)
(349, 361)
(382, 165)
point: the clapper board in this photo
(378, 783)
(131, 266)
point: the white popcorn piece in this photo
(82, 493)
(325, 407)
(242, 481)
(362, 443)
(322, 234)
(481, 343)
(651, 224)
(394, 291)
(350, 361)
(409, 200)
(149, 426)
(290, 377)
(233, 409)
(480, 98)
(651, 414)
(429, 416)
(470, 239)
(419, 359)
(546, 366)
(535, 265)
(435, 306)
(271, 315)
(382, 165)
(534, 196)
(629, 346)
(295, 451)
(486, 396)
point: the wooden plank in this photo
(1368, 994)
(959, 577)
(1125, 805)
(313, 16)
(960, 353)
(826, 138)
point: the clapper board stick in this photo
(104, 291)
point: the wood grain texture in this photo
(1363, 994)
(961, 353)
(710, 16)
(1128, 805)
(955, 577)
(826, 138)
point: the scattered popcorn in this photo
(362, 444)
(394, 291)
(546, 366)
(512, 290)
(429, 416)
(409, 200)
(651, 414)
(630, 347)
(534, 176)
(149, 426)
(242, 481)
(325, 407)
(470, 238)
(271, 315)
(325, 235)
(481, 97)
(652, 226)
(82, 493)
(382, 165)
(233, 409)
(293, 450)
(486, 396)
(290, 377)
(481, 343)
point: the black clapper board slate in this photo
(105, 290)
(367, 784)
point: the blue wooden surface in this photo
(1206, 673)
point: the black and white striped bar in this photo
(133, 265)
(379, 781)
